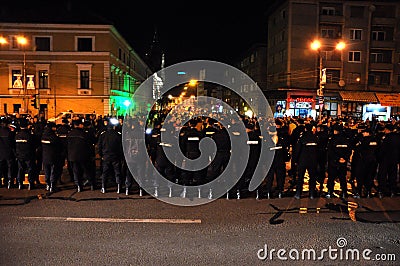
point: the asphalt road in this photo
(90, 228)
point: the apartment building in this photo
(86, 68)
(360, 80)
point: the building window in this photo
(354, 56)
(353, 78)
(327, 33)
(85, 44)
(378, 35)
(43, 79)
(14, 43)
(332, 76)
(119, 53)
(84, 78)
(379, 78)
(356, 11)
(328, 11)
(16, 79)
(355, 34)
(42, 43)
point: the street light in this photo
(316, 46)
(21, 40)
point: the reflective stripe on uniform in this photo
(235, 133)
(46, 141)
(252, 142)
(311, 144)
(341, 146)
(373, 143)
(165, 144)
(21, 140)
(275, 148)
(193, 138)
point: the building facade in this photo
(86, 68)
(365, 72)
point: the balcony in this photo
(383, 21)
(337, 19)
(15, 91)
(381, 66)
(383, 44)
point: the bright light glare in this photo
(127, 103)
(22, 40)
(3, 40)
(114, 121)
(315, 45)
(340, 46)
(192, 82)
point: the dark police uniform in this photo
(388, 159)
(62, 132)
(305, 156)
(7, 153)
(365, 152)
(25, 148)
(110, 151)
(323, 138)
(339, 152)
(190, 146)
(51, 154)
(280, 143)
(80, 153)
(221, 159)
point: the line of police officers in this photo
(372, 152)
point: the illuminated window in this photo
(43, 79)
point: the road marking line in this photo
(115, 220)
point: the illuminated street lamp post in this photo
(316, 46)
(23, 41)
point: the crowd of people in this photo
(364, 154)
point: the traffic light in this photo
(34, 101)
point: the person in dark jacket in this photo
(79, 154)
(323, 137)
(111, 153)
(7, 153)
(52, 150)
(365, 152)
(62, 132)
(388, 159)
(294, 137)
(339, 151)
(25, 147)
(280, 143)
(305, 157)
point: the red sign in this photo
(308, 100)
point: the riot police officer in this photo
(388, 159)
(62, 132)
(339, 152)
(365, 152)
(79, 153)
(111, 153)
(305, 157)
(280, 143)
(25, 147)
(323, 137)
(7, 152)
(51, 151)
(223, 143)
(190, 146)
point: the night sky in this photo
(190, 30)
